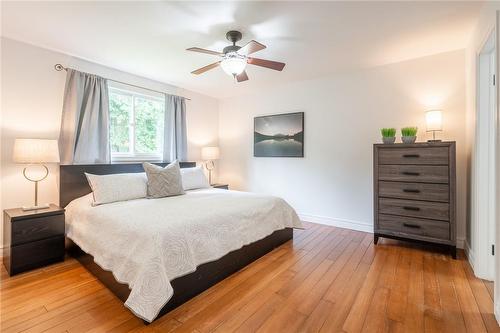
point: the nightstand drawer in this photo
(28, 230)
(427, 155)
(416, 191)
(429, 210)
(414, 173)
(414, 226)
(36, 254)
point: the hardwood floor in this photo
(327, 280)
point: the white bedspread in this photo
(147, 243)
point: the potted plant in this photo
(409, 134)
(388, 135)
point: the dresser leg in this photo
(375, 239)
(453, 252)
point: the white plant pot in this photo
(408, 139)
(388, 139)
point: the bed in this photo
(155, 254)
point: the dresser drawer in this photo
(423, 155)
(24, 231)
(414, 226)
(414, 173)
(36, 254)
(416, 191)
(430, 210)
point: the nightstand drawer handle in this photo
(411, 190)
(411, 208)
(411, 155)
(414, 226)
(409, 173)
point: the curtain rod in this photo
(59, 67)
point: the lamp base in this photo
(24, 208)
(434, 140)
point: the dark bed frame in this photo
(73, 184)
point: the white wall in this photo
(32, 94)
(343, 114)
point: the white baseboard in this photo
(341, 223)
(497, 311)
(469, 253)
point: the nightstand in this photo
(32, 238)
(221, 186)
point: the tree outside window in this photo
(136, 125)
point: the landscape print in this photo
(279, 135)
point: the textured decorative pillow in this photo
(193, 178)
(117, 187)
(163, 182)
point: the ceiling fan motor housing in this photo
(231, 48)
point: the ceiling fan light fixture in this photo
(234, 63)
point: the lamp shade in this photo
(434, 120)
(210, 153)
(35, 151)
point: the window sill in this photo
(135, 159)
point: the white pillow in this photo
(193, 178)
(117, 187)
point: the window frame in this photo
(132, 155)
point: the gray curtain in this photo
(84, 137)
(175, 137)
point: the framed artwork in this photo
(280, 135)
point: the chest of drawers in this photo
(414, 192)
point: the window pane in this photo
(148, 125)
(120, 109)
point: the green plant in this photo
(409, 131)
(388, 132)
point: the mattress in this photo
(146, 243)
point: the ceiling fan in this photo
(235, 58)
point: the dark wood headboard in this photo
(74, 184)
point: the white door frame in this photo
(497, 216)
(484, 185)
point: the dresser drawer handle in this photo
(411, 208)
(411, 190)
(409, 173)
(414, 226)
(411, 155)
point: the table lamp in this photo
(209, 154)
(434, 121)
(35, 152)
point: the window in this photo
(136, 124)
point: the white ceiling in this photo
(313, 38)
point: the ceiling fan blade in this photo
(251, 47)
(242, 77)
(278, 66)
(200, 50)
(206, 68)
